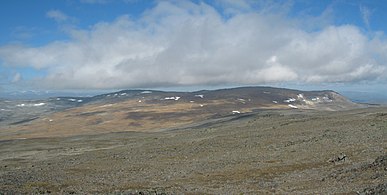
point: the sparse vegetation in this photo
(244, 155)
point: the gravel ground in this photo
(271, 152)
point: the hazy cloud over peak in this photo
(184, 43)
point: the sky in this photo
(127, 44)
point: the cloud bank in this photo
(184, 43)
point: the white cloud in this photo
(57, 15)
(184, 43)
(234, 6)
(365, 14)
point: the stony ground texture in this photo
(270, 152)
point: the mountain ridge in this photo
(152, 110)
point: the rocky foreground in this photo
(264, 152)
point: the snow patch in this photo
(39, 104)
(144, 92)
(201, 96)
(201, 105)
(123, 94)
(57, 99)
(315, 99)
(301, 97)
(172, 98)
(326, 99)
(243, 101)
(292, 106)
(139, 101)
(266, 92)
(290, 100)
(31, 105)
(322, 99)
(235, 112)
(75, 100)
(275, 102)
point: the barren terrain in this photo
(237, 141)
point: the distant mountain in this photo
(151, 110)
(38, 95)
(246, 97)
(366, 97)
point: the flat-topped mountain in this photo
(257, 97)
(148, 110)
